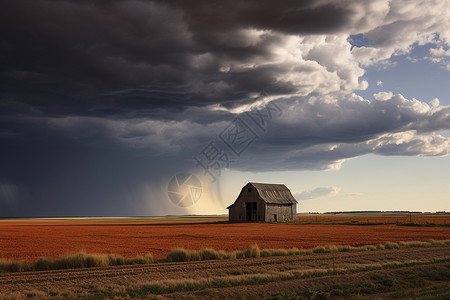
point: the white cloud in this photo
(404, 24)
(381, 96)
(379, 83)
(435, 102)
(353, 195)
(439, 52)
(321, 134)
(409, 143)
(332, 156)
(317, 193)
(440, 56)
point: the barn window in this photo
(249, 190)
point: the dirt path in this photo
(84, 282)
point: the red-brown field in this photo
(31, 239)
(374, 218)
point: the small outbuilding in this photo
(263, 202)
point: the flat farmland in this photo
(407, 273)
(30, 239)
(400, 218)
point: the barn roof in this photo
(271, 193)
(274, 193)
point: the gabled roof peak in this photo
(269, 186)
(274, 193)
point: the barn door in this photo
(250, 211)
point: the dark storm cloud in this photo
(70, 178)
(101, 102)
(106, 57)
(315, 133)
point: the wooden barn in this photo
(263, 202)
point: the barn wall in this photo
(294, 212)
(284, 213)
(233, 214)
(237, 212)
(265, 212)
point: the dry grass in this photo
(181, 254)
(12, 265)
(85, 260)
(252, 251)
(74, 261)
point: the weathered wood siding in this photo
(237, 212)
(266, 211)
(283, 212)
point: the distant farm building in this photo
(263, 202)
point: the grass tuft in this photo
(180, 254)
(391, 245)
(208, 254)
(74, 261)
(252, 251)
(177, 255)
(414, 244)
(13, 265)
(43, 264)
(81, 260)
(84, 260)
(139, 260)
(369, 247)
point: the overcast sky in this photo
(102, 103)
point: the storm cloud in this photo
(101, 102)
(94, 57)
